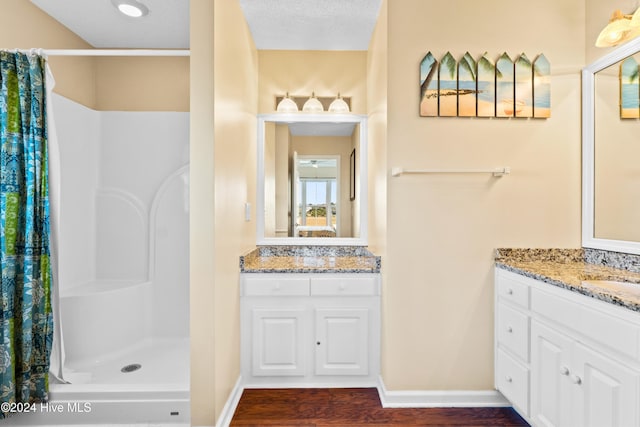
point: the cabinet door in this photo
(342, 342)
(606, 391)
(277, 344)
(550, 371)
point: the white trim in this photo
(116, 52)
(440, 398)
(104, 52)
(362, 175)
(230, 406)
(588, 150)
(388, 399)
(333, 383)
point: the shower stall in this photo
(123, 269)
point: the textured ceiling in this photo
(311, 24)
(100, 24)
(274, 24)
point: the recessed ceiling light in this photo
(131, 8)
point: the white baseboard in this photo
(440, 398)
(232, 403)
(395, 399)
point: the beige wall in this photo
(25, 26)
(438, 295)
(223, 74)
(271, 179)
(236, 101)
(302, 72)
(283, 182)
(201, 215)
(377, 74)
(142, 84)
(122, 84)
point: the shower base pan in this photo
(118, 391)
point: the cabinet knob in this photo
(564, 371)
(342, 286)
(509, 291)
(277, 287)
(576, 379)
(317, 342)
(509, 329)
(508, 378)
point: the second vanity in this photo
(567, 337)
(310, 316)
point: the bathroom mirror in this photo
(610, 156)
(312, 179)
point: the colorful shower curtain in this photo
(26, 321)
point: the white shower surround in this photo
(123, 269)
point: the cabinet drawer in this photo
(344, 286)
(510, 288)
(512, 379)
(616, 333)
(275, 286)
(513, 331)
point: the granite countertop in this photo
(310, 259)
(572, 269)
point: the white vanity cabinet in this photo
(584, 359)
(307, 329)
(512, 340)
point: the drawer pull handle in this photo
(510, 291)
(277, 287)
(564, 371)
(509, 329)
(342, 286)
(508, 378)
(576, 379)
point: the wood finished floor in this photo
(353, 407)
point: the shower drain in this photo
(131, 368)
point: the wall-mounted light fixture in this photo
(620, 28)
(131, 8)
(287, 105)
(338, 105)
(313, 105)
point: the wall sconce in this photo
(313, 105)
(619, 29)
(287, 105)
(338, 105)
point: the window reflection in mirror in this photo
(315, 195)
(306, 179)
